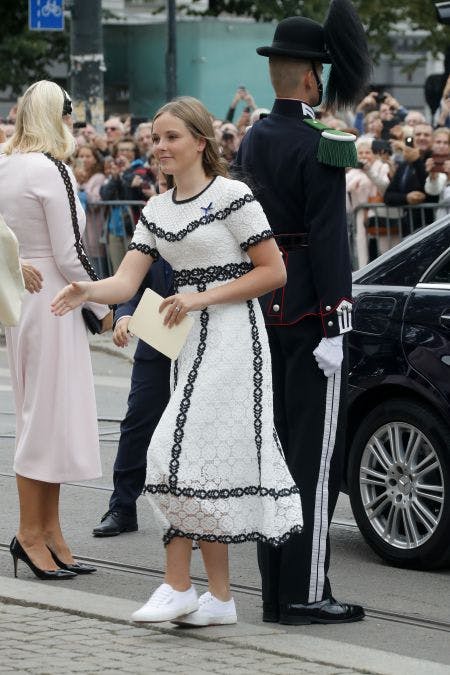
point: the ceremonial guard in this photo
(296, 167)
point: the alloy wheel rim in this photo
(402, 485)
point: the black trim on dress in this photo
(256, 239)
(257, 382)
(190, 199)
(144, 248)
(232, 539)
(206, 275)
(194, 224)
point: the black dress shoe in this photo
(78, 568)
(114, 523)
(325, 611)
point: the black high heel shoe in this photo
(18, 553)
(78, 568)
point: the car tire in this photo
(402, 507)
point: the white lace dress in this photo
(215, 465)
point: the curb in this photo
(302, 647)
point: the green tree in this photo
(382, 19)
(25, 56)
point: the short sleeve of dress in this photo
(144, 239)
(247, 221)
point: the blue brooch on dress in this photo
(206, 209)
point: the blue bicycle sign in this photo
(45, 15)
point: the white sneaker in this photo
(210, 612)
(166, 604)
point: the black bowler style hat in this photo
(298, 38)
(341, 41)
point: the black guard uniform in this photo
(296, 169)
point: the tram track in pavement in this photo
(154, 573)
(373, 613)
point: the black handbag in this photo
(93, 323)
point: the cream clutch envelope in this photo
(147, 324)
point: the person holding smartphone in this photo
(407, 186)
(437, 167)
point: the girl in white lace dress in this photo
(216, 474)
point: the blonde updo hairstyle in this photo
(198, 121)
(39, 123)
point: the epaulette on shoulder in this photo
(336, 148)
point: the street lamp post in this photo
(171, 51)
(87, 62)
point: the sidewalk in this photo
(103, 343)
(49, 630)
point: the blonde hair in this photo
(198, 121)
(39, 123)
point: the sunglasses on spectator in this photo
(111, 128)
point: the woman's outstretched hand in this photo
(179, 305)
(71, 296)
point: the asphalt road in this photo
(406, 601)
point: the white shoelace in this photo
(161, 596)
(206, 599)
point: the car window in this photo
(406, 264)
(440, 274)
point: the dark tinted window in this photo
(409, 262)
(441, 274)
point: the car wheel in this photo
(399, 484)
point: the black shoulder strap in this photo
(82, 257)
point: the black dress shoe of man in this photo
(325, 611)
(271, 613)
(114, 523)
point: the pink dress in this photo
(49, 358)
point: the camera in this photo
(227, 136)
(79, 125)
(360, 165)
(380, 97)
(409, 141)
(379, 146)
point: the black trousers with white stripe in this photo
(310, 412)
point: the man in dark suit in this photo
(148, 397)
(297, 170)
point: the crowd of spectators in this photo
(403, 161)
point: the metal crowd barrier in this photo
(376, 227)
(109, 228)
(373, 229)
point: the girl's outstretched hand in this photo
(70, 297)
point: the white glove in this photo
(329, 354)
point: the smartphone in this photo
(360, 165)
(438, 162)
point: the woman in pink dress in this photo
(51, 372)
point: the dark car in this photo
(398, 442)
